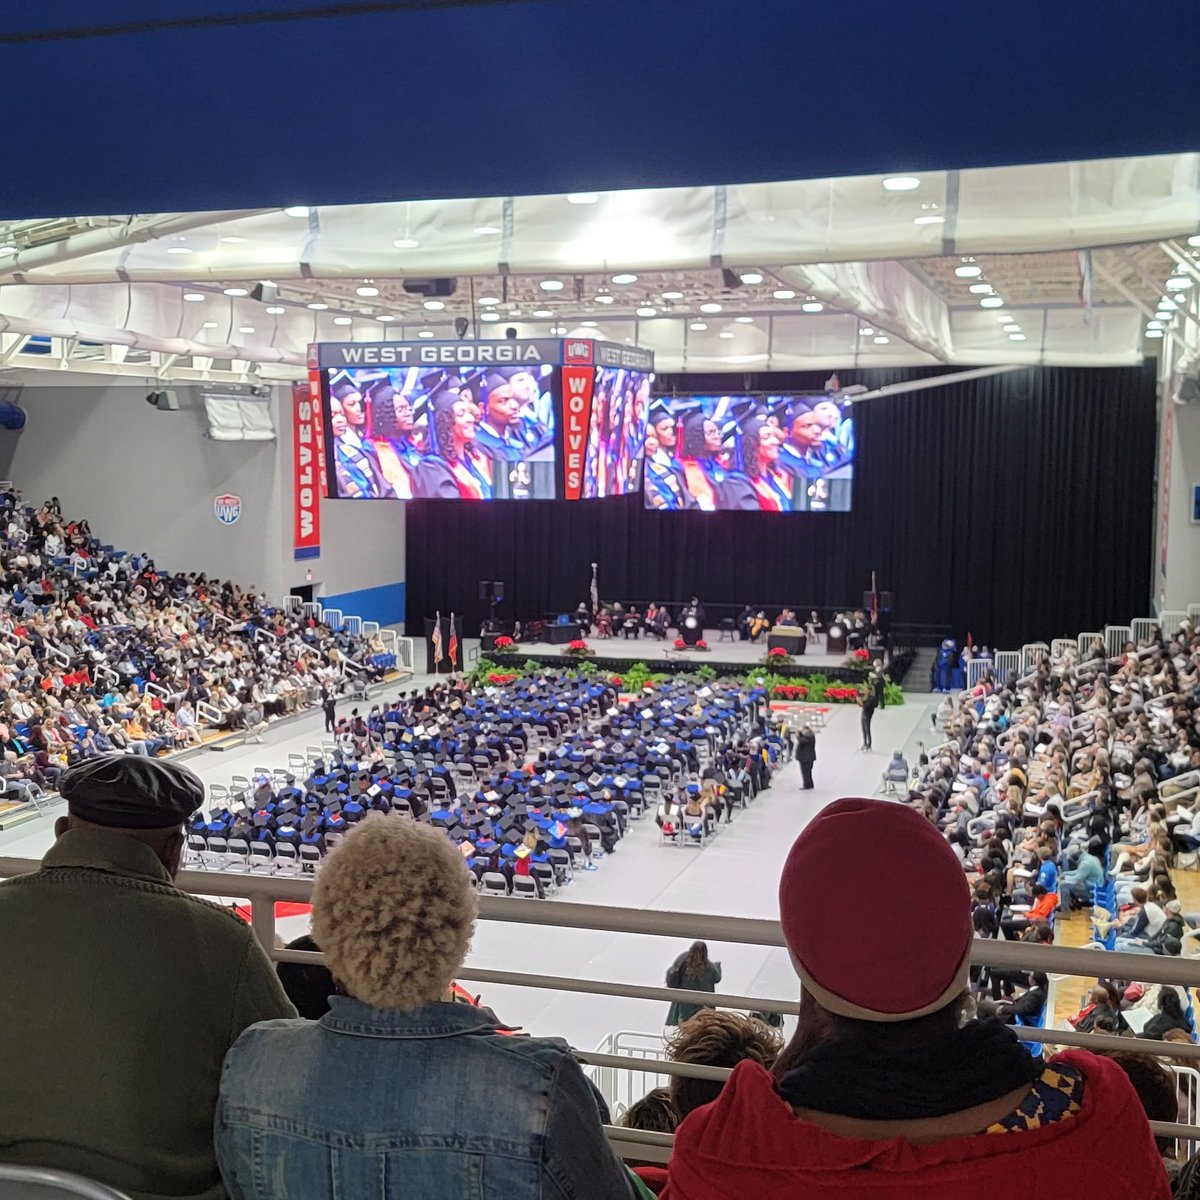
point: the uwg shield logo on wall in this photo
(227, 509)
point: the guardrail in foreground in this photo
(262, 891)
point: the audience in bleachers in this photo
(123, 994)
(101, 651)
(398, 1089)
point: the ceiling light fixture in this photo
(180, 250)
(929, 219)
(1011, 328)
(881, 339)
(489, 316)
(489, 300)
(425, 333)
(1194, 240)
(901, 183)
(551, 285)
(784, 294)
(485, 230)
(8, 249)
(209, 325)
(366, 289)
(193, 297)
(236, 292)
(233, 239)
(582, 197)
(542, 312)
(744, 320)
(318, 306)
(672, 295)
(296, 210)
(245, 329)
(711, 307)
(343, 320)
(698, 326)
(385, 317)
(1016, 337)
(725, 333)
(558, 330)
(276, 309)
(991, 302)
(405, 243)
(812, 306)
(645, 310)
(865, 331)
(625, 277)
(1153, 324)
(1154, 333)
(752, 277)
(435, 305)
(968, 271)
(1177, 283)
(981, 289)
(588, 324)
(604, 299)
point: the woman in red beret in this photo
(891, 1088)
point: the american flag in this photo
(453, 645)
(595, 591)
(437, 641)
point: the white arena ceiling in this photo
(1088, 263)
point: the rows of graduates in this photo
(573, 794)
(404, 434)
(766, 454)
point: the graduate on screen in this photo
(756, 481)
(454, 468)
(700, 446)
(664, 486)
(356, 466)
(392, 420)
(499, 433)
(804, 455)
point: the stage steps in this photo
(920, 672)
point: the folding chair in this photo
(262, 859)
(401, 807)
(297, 765)
(564, 868)
(593, 832)
(544, 872)
(197, 848)
(263, 771)
(492, 883)
(280, 775)
(310, 858)
(218, 853)
(287, 861)
(524, 887)
(331, 840)
(239, 854)
(575, 846)
(239, 783)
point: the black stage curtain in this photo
(1016, 506)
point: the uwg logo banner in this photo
(308, 466)
(576, 418)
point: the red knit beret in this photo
(864, 947)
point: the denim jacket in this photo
(432, 1103)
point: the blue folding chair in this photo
(1038, 1022)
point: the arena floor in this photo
(734, 875)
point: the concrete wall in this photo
(146, 480)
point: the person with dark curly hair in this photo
(756, 482)
(454, 469)
(699, 449)
(717, 1039)
(392, 435)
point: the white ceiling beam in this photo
(14, 343)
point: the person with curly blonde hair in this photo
(399, 1089)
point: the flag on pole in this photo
(437, 642)
(595, 590)
(874, 599)
(453, 652)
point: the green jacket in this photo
(121, 995)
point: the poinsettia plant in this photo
(680, 644)
(789, 691)
(503, 643)
(862, 654)
(578, 648)
(701, 645)
(843, 694)
(499, 678)
(777, 656)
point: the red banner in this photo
(308, 463)
(576, 416)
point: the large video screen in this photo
(617, 432)
(456, 432)
(749, 454)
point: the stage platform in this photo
(740, 655)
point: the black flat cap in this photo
(130, 791)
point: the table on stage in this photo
(791, 638)
(560, 635)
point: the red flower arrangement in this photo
(789, 691)
(862, 654)
(503, 643)
(499, 678)
(616, 681)
(701, 645)
(680, 644)
(778, 655)
(843, 694)
(578, 647)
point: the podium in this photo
(788, 637)
(835, 639)
(690, 630)
(560, 635)
(445, 666)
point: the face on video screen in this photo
(748, 454)
(617, 432)
(478, 432)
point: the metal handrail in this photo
(262, 892)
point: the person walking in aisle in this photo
(696, 972)
(806, 754)
(329, 707)
(866, 699)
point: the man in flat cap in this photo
(128, 992)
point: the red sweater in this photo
(747, 1143)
